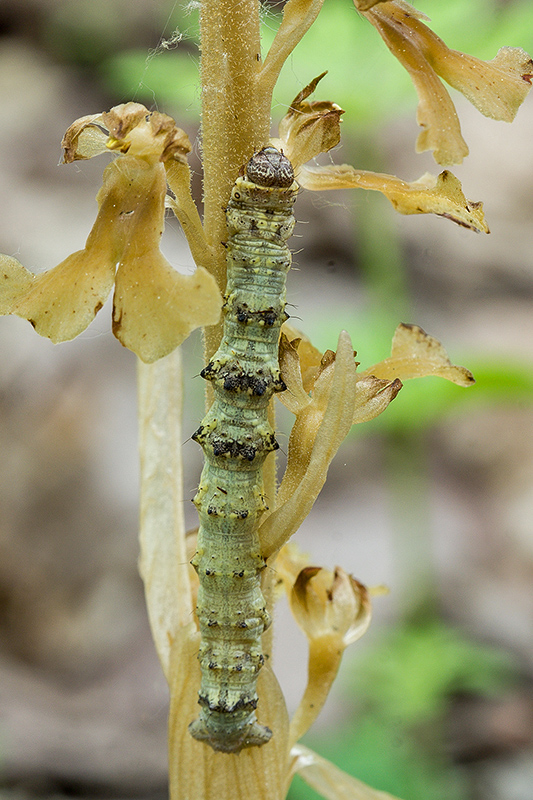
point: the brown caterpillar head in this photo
(269, 167)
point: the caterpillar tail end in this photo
(228, 739)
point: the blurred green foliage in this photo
(393, 735)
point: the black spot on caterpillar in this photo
(236, 438)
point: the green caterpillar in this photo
(236, 438)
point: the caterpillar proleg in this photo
(236, 437)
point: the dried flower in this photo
(155, 307)
(496, 88)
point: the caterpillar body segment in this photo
(236, 437)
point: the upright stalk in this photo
(235, 124)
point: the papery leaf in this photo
(257, 772)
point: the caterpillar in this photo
(236, 437)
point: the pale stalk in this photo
(234, 123)
(163, 562)
(325, 654)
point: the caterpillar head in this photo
(269, 167)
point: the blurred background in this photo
(433, 499)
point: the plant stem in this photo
(234, 123)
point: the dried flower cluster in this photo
(154, 310)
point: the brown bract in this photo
(309, 128)
(155, 307)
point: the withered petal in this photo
(84, 139)
(309, 128)
(496, 88)
(63, 301)
(156, 308)
(316, 437)
(442, 195)
(416, 354)
(372, 396)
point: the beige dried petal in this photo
(155, 307)
(309, 128)
(415, 354)
(310, 357)
(257, 772)
(295, 398)
(442, 196)
(122, 119)
(145, 134)
(328, 780)
(333, 610)
(326, 603)
(436, 115)
(497, 88)
(62, 302)
(184, 207)
(15, 281)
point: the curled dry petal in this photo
(327, 603)
(127, 128)
(134, 130)
(442, 196)
(328, 780)
(295, 398)
(496, 88)
(310, 356)
(309, 128)
(85, 138)
(415, 354)
(372, 396)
